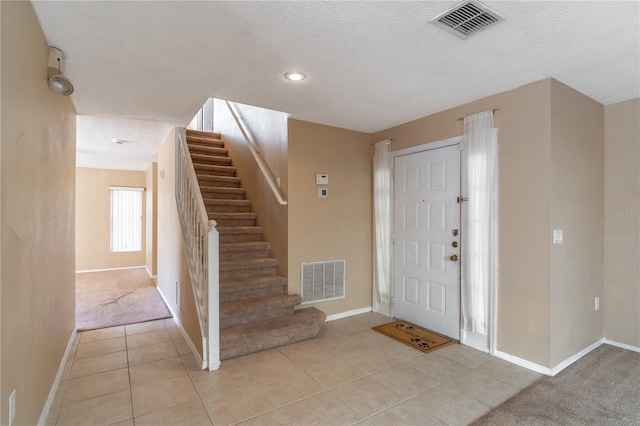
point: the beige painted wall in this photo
(37, 195)
(152, 220)
(524, 152)
(338, 227)
(621, 302)
(172, 261)
(93, 219)
(577, 160)
(268, 129)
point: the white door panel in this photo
(426, 280)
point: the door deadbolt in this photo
(454, 257)
(455, 244)
(455, 232)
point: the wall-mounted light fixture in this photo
(55, 73)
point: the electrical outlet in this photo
(597, 303)
(12, 407)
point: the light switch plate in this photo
(322, 179)
(557, 236)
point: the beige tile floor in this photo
(144, 374)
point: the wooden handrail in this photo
(262, 164)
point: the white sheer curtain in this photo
(480, 236)
(382, 220)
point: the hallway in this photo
(145, 374)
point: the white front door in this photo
(426, 277)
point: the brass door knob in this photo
(454, 257)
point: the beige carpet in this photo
(602, 388)
(110, 298)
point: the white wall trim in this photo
(622, 345)
(111, 269)
(348, 314)
(187, 339)
(153, 277)
(456, 140)
(56, 381)
(546, 370)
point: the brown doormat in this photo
(414, 336)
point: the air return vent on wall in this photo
(467, 18)
(322, 281)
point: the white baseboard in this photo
(112, 269)
(56, 381)
(348, 314)
(153, 277)
(546, 370)
(187, 339)
(622, 345)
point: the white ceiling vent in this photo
(467, 18)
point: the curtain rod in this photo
(493, 110)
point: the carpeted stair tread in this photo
(248, 338)
(252, 287)
(208, 150)
(240, 230)
(249, 306)
(238, 284)
(244, 250)
(214, 170)
(219, 181)
(223, 193)
(194, 141)
(202, 134)
(210, 159)
(232, 265)
(227, 206)
(248, 246)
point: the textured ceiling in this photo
(143, 67)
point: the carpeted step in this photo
(209, 169)
(210, 159)
(252, 287)
(200, 133)
(208, 150)
(219, 181)
(239, 234)
(255, 337)
(250, 250)
(194, 141)
(227, 206)
(248, 311)
(243, 268)
(234, 219)
(222, 193)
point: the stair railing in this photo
(262, 164)
(201, 240)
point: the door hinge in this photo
(393, 238)
(461, 199)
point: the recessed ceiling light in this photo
(295, 76)
(119, 141)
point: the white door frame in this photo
(493, 298)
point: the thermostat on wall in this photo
(323, 193)
(322, 179)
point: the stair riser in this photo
(215, 161)
(235, 222)
(223, 195)
(214, 170)
(251, 293)
(239, 238)
(213, 209)
(226, 322)
(204, 143)
(247, 272)
(248, 254)
(272, 340)
(208, 150)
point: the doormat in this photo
(414, 336)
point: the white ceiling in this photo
(141, 67)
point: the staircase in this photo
(256, 313)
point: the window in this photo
(126, 219)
